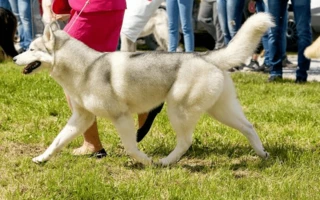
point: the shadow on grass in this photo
(203, 157)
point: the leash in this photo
(84, 6)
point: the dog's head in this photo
(40, 54)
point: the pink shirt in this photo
(98, 5)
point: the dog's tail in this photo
(243, 44)
(313, 51)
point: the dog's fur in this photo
(8, 26)
(313, 51)
(157, 25)
(116, 85)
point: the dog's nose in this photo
(14, 59)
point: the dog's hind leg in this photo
(183, 123)
(126, 129)
(228, 111)
(77, 125)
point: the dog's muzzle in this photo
(30, 67)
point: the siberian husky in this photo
(116, 85)
(313, 51)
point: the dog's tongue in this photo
(30, 67)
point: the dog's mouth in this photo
(30, 67)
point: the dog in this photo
(157, 25)
(8, 26)
(313, 51)
(115, 85)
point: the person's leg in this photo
(222, 14)
(234, 14)
(5, 4)
(302, 17)
(26, 21)
(261, 7)
(216, 24)
(15, 10)
(173, 24)
(205, 17)
(185, 11)
(277, 9)
(101, 39)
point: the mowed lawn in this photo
(219, 165)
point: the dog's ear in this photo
(48, 35)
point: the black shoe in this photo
(288, 64)
(274, 78)
(266, 68)
(300, 80)
(99, 154)
(253, 67)
(147, 124)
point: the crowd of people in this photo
(221, 18)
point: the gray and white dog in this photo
(115, 85)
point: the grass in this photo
(219, 165)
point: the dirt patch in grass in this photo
(19, 149)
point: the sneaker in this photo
(253, 67)
(237, 68)
(288, 64)
(266, 68)
(275, 78)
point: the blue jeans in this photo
(180, 10)
(230, 17)
(22, 9)
(302, 17)
(5, 4)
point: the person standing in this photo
(302, 17)
(88, 24)
(230, 17)
(208, 16)
(180, 10)
(22, 9)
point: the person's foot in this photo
(300, 80)
(253, 67)
(288, 64)
(87, 148)
(274, 78)
(99, 154)
(83, 150)
(266, 68)
(237, 68)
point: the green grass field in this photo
(219, 165)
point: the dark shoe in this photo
(237, 68)
(266, 68)
(300, 80)
(288, 64)
(274, 78)
(147, 124)
(99, 154)
(253, 67)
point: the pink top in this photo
(97, 5)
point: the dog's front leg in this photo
(77, 125)
(126, 129)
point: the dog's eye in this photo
(30, 49)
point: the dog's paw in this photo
(40, 159)
(165, 162)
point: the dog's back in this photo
(8, 26)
